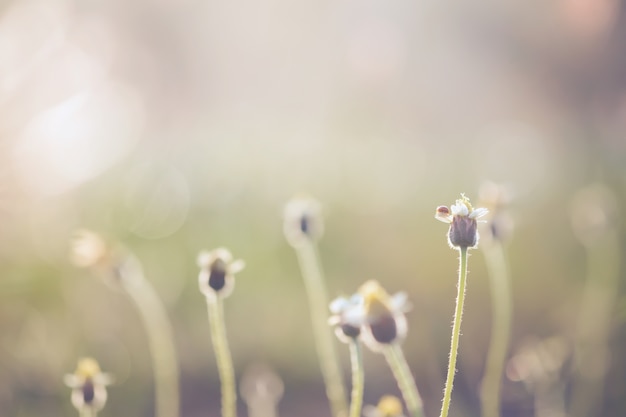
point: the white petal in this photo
(446, 218)
(459, 209)
(338, 305)
(400, 302)
(236, 266)
(479, 212)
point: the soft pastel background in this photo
(173, 126)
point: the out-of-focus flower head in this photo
(388, 406)
(261, 388)
(88, 385)
(114, 264)
(217, 272)
(348, 317)
(302, 220)
(496, 198)
(385, 322)
(594, 213)
(88, 249)
(539, 360)
(462, 219)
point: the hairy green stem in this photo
(222, 356)
(161, 343)
(358, 378)
(500, 328)
(324, 340)
(456, 332)
(401, 371)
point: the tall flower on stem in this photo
(496, 198)
(303, 226)
(348, 317)
(122, 270)
(88, 383)
(462, 235)
(383, 331)
(217, 281)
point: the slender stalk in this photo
(222, 356)
(500, 328)
(324, 341)
(87, 412)
(456, 331)
(358, 378)
(591, 354)
(160, 340)
(406, 383)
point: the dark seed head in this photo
(463, 232)
(217, 275)
(305, 224)
(88, 391)
(384, 329)
(351, 331)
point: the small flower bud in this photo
(302, 220)
(217, 272)
(463, 224)
(388, 406)
(496, 198)
(348, 317)
(88, 385)
(385, 322)
(593, 213)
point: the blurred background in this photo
(176, 126)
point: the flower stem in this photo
(591, 350)
(500, 328)
(356, 357)
(222, 356)
(401, 371)
(160, 340)
(456, 331)
(318, 302)
(87, 412)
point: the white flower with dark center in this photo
(462, 218)
(217, 272)
(385, 322)
(88, 385)
(348, 317)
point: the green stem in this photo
(322, 332)
(160, 340)
(87, 412)
(358, 377)
(401, 371)
(591, 350)
(500, 328)
(222, 356)
(456, 332)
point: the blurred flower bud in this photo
(593, 213)
(388, 406)
(496, 198)
(217, 272)
(385, 322)
(348, 317)
(302, 220)
(88, 385)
